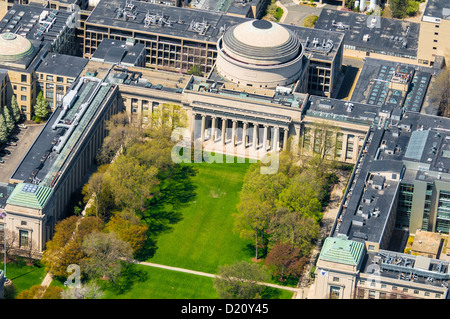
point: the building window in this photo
(23, 223)
(382, 295)
(371, 294)
(334, 292)
(427, 293)
(383, 286)
(336, 279)
(59, 79)
(49, 77)
(23, 88)
(23, 97)
(434, 48)
(23, 238)
(23, 78)
(438, 295)
(416, 292)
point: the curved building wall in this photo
(256, 74)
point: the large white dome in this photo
(259, 53)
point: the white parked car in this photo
(22, 126)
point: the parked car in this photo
(1, 160)
(11, 143)
(4, 152)
(22, 126)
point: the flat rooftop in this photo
(35, 22)
(198, 25)
(120, 52)
(382, 35)
(407, 268)
(63, 65)
(375, 81)
(239, 7)
(63, 131)
(437, 9)
(340, 110)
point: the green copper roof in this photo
(29, 195)
(342, 250)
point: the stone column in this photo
(202, 133)
(224, 129)
(193, 127)
(233, 133)
(213, 128)
(264, 141)
(244, 134)
(285, 137)
(255, 136)
(275, 138)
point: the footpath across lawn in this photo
(204, 239)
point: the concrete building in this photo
(176, 39)
(57, 162)
(372, 35)
(434, 32)
(346, 270)
(56, 74)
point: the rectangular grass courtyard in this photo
(204, 239)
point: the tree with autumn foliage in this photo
(40, 292)
(65, 248)
(285, 261)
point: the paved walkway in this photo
(199, 273)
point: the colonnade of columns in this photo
(265, 136)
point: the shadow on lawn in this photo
(129, 276)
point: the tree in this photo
(291, 228)
(398, 8)
(195, 70)
(3, 129)
(240, 281)
(65, 248)
(9, 242)
(285, 261)
(132, 182)
(40, 292)
(121, 134)
(129, 230)
(105, 254)
(9, 121)
(41, 106)
(15, 111)
(412, 8)
(258, 204)
(86, 291)
(440, 92)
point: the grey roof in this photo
(341, 110)
(182, 25)
(373, 86)
(387, 36)
(115, 51)
(27, 22)
(42, 162)
(437, 9)
(61, 64)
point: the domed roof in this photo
(14, 46)
(261, 40)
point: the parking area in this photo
(11, 155)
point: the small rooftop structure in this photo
(342, 250)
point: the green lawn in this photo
(204, 239)
(168, 284)
(24, 276)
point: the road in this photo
(26, 138)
